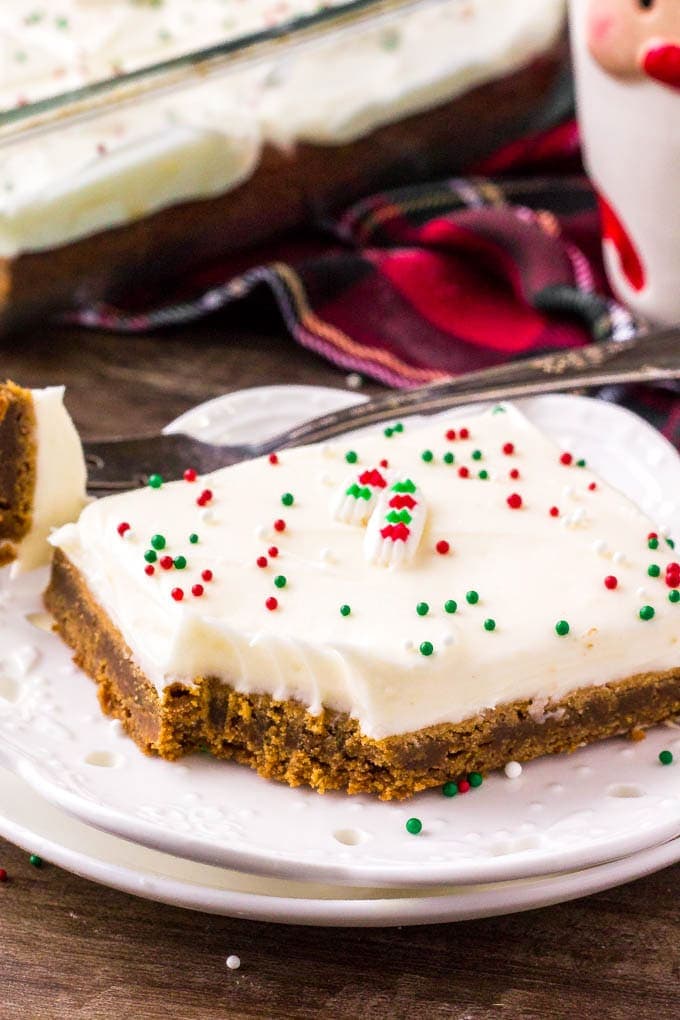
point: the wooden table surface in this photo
(71, 949)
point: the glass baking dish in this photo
(139, 138)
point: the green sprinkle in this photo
(666, 757)
(158, 542)
(150, 556)
(193, 538)
(351, 457)
(427, 456)
(155, 481)
(472, 597)
(61, 22)
(388, 432)
(450, 789)
(647, 613)
(399, 427)
(483, 475)
(475, 779)
(345, 610)
(449, 458)
(670, 542)
(414, 826)
(562, 628)
(288, 499)
(450, 606)
(674, 596)
(489, 624)
(422, 609)
(498, 409)
(36, 861)
(406, 486)
(180, 562)
(280, 581)
(426, 648)
(653, 543)
(580, 463)
(476, 454)
(653, 569)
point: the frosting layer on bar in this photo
(473, 617)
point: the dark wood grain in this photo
(75, 951)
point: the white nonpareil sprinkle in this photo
(641, 593)
(326, 555)
(354, 381)
(233, 962)
(408, 645)
(260, 532)
(207, 515)
(600, 547)
(513, 770)
(619, 558)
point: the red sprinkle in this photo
(514, 501)
(205, 497)
(262, 561)
(207, 575)
(463, 472)
(464, 433)
(122, 528)
(165, 562)
(514, 474)
(177, 594)
(272, 603)
(673, 575)
(554, 511)
(190, 475)
(273, 551)
(651, 535)
(592, 486)
(463, 786)
(384, 463)
(3, 875)
(508, 449)
(611, 582)
(197, 590)
(149, 569)
(566, 459)
(279, 525)
(450, 434)
(273, 459)
(443, 547)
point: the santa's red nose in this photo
(662, 62)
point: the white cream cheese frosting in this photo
(508, 595)
(207, 138)
(60, 479)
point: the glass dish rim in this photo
(187, 67)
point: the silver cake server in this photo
(121, 463)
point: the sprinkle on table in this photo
(273, 458)
(414, 826)
(197, 590)
(472, 597)
(450, 434)
(463, 472)
(464, 433)
(155, 481)
(280, 581)
(508, 449)
(272, 603)
(262, 562)
(514, 474)
(345, 610)
(149, 570)
(611, 582)
(279, 525)
(177, 594)
(654, 570)
(273, 551)
(449, 458)
(463, 786)
(475, 779)
(483, 475)
(674, 595)
(193, 538)
(666, 757)
(205, 497)
(426, 648)
(450, 789)
(122, 528)
(351, 457)
(566, 459)
(150, 555)
(490, 624)
(179, 562)
(158, 542)
(647, 613)
(562, 628)
(450, 606)
(207, 575)
(514, 501)
(35, 860)
(288, 499)
(554, 511)
(477, 455)
(166, 562)
(190, 475)
(427, 456)
(422, 609)
(443, 547)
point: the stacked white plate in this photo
(214, 836)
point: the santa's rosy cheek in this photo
(600, 28)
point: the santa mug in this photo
(627, 59)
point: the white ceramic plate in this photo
(565, 813)
(34, 824)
